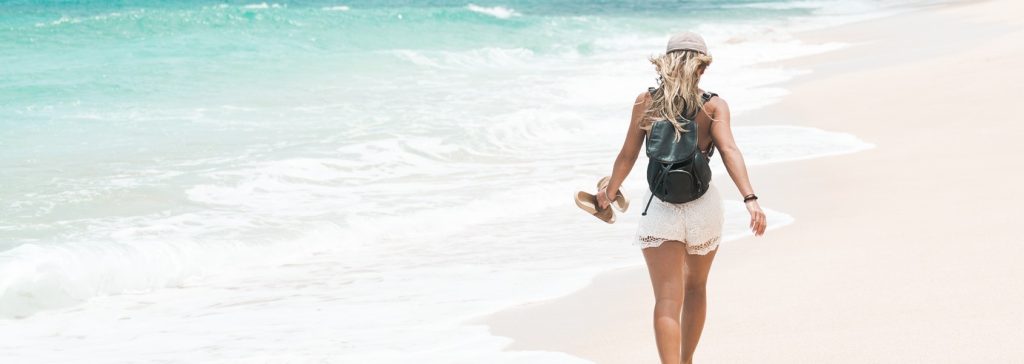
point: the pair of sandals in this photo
(588, 203)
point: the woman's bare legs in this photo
(695, 301)
(675, 274)
(665, 265)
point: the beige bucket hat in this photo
(687, 41)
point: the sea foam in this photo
(261, 6)
(499, 12)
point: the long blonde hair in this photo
(679, 73)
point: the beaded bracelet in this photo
(749, 197)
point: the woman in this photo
(679, 241)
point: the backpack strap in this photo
(707, 96)
(657, 182)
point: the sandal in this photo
(588, 203)
(621, 203)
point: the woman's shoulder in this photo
(717, 109)
(643, 100)
(715, 102)
(644, 96)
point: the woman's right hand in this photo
(602, 198)
(758, 222)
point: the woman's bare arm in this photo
(630, 150)
(721, 132)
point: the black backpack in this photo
(677, 172)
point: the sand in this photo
(905, 253)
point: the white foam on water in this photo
(780, 6)
(157, 253)
(784, 143)
(499, 12)
(476, 59)
(261, 6)
(337, 8)
(62, 20)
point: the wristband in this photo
(749, 198)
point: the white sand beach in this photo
(904, 253)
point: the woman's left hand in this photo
(758, 221)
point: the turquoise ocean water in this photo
(337, 181)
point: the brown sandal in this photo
(588, 203)
(621, 203)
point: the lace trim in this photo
(703, 248)
(650, 241)
(698, 249)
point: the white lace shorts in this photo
(697, 223)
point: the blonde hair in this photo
(679, 72)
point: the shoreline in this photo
(843, 292)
